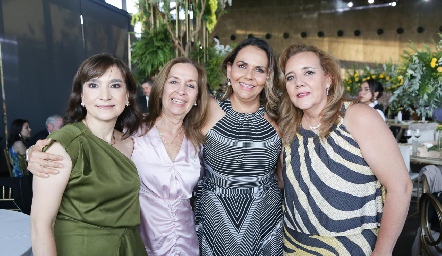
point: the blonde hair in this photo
(290, 116)
(197, 116)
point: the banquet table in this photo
(425, 156)
(15, 236)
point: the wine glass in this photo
(417, 133)
(408, 134)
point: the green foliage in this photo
(210, 14)
(389, 75)
(422, 88)
(151, 52)
(215, 76)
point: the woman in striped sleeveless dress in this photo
(338, 155)
(239, 204)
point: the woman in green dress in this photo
(92, 206)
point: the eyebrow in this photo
(304, 68)
(243, 62)
(112, 81)
(175, 77)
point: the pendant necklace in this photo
(170, 119)
(164, 139)
(112, 142)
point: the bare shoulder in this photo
(125, 146)
(58, 149)
(19, 147)
(215, 113)
(273, 123)
(360, 116)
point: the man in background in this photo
(53, 123)
(143, 100)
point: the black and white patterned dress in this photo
(333, 201)
(239, 205)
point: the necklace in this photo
(112, 142)
(164, 139)
(170, 119)
(313, 128)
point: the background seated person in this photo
(369, 92)
(53, 123)
(19, 134)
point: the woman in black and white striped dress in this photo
(238, 209)
(338, 156)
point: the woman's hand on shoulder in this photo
(40, 163)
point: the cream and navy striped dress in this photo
(239, 206)
(333, 201)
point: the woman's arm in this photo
(47, 195)
(214, 114)
(381, 152)
(278, 171)
(40, 163)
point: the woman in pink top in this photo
(166, 154)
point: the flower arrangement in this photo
(421, 91)
(387, 74)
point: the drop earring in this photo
(195, 104)
(326, 90)
(229, 83)
(82, 104)
(127, 104)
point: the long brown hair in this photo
(270, 95)
(291, 116)
(197, 116)
(95, 66)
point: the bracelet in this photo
(27, 150)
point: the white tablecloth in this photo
(15, 233)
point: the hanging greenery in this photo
(184, 34)
(151, 52)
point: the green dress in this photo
(100, 212)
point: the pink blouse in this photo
(167, 220)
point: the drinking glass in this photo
(408, 134)
(417, 133)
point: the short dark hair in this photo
(95, 66)
(147, 80)
(15, 130)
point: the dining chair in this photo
(405, 152)
(23, 164)
(7, 197)
(431, 240)
(8, 161)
